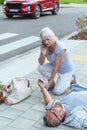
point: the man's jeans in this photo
(77, 87)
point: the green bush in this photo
(85, 0)
(63, 1)
(1, 1)
(72, 1)
(81, 22)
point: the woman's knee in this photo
(59, 91)
(40, 68)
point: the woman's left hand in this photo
(47, 85)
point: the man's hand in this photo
(41, 84)
(47, 85)
(46, 95)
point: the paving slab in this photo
(29, 113)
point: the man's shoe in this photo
(74, 77)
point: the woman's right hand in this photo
(43, 49)
(41, 58)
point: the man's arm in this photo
(46, 95)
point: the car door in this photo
(46, 4)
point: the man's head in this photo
(54, 116)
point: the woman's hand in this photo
(42, 85)
(47, 85)
(43, 49)
(41, 58)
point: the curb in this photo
(69, 36)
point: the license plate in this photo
(13, 10)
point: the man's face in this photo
(55, 113)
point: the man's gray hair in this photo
(47, 32)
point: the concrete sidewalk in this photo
(28, 113)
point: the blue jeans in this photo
(77, 87)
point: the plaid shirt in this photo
(77, 118)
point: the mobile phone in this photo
(44, 44)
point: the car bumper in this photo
(19, 13)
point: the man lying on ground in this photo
(57, 111)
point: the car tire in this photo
(56, 8)
(37, 12)
(9, 15)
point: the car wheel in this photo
(9, 15)
(56, 8)
(37, 12)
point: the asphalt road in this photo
(62, 24)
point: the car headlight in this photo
(28, 7)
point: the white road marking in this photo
(17, 44)
(7, 35)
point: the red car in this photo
(30, 7)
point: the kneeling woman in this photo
(59, 62)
